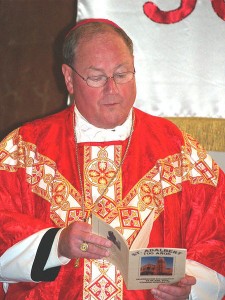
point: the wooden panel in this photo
(31, 38)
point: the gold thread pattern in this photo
(101, 279)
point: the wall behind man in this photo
(31, 82)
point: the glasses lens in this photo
(96, 81)
(123, 77)
(99, 81)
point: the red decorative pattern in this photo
(130, 218)
(103, 288)
(105, 208)
(150, 195)
(204, 170)
(3, 155)
(75, 215)
(101, 173)
(219, 8)
(153, 12)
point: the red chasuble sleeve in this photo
(29, 158)
(20, 215)
(191, 193)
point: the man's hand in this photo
(75, 234)
(180, 290)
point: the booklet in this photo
(142, 268)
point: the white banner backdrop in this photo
(180, 66)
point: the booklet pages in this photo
(141, 267)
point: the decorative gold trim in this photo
(210, 132)
(128, 214)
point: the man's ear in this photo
(67, 72)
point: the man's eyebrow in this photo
(121, 65)
(95, 69)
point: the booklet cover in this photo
(141, 267)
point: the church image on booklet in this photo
(156, 265)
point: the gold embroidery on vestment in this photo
(127, 214)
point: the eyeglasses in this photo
(100, 80)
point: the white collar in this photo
(87, 132)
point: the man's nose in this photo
(111, 86)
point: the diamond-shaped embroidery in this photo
(103, 288)
(105, 207)
(204, 169)
(3, 155)
(130, 218)
(76, 215)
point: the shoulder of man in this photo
(161, 124)
(47, 126)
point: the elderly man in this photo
(103, 156)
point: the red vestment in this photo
(164, 169)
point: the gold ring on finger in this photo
(84, 247)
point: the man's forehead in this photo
(104, 38)
(103, 51)
(95, 52)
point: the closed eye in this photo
(97, 78)
(120, 75)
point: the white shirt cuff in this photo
(210, 284)
(54, 260)
(16, 262)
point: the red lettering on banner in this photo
(169, 17)
(219, 8)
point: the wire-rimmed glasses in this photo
(100, 80)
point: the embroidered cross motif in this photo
(100, 172)
(130, 218)
(103, 288)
